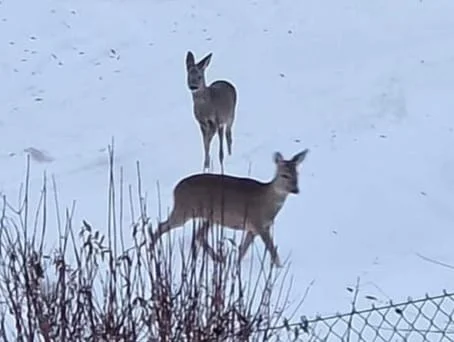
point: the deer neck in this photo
(277, 196)
(201, 95)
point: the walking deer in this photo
(214, 106)
(237, 203)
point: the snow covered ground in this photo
(366, 85)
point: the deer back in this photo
(239, 203)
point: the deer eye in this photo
(286, 176)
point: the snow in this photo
(366, 85)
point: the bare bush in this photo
(93, 287)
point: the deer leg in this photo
(221, 146)
(208, 130)
(175, 220)
(268, 241)
(245, 245)
(201, 238)
(228, 137)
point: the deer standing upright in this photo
(214, 106)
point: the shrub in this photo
(92, 287)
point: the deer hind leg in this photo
(228, 137)
(175, 220)
(201, 238)
(221, 146)
(268, 241)
(208, 130)
(245, 245)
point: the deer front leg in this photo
(228, 136)
(268, 241)
(221, 146)
(208, 130)
(245, 245)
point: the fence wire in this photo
(429, 319)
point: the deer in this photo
(238, 203)
(213, 106)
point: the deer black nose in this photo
(295, 191)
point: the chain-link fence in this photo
(428, 319)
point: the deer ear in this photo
(277, 157)
(189, 59)
(205, 61)
(299, 157)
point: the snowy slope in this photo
(367, 86)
